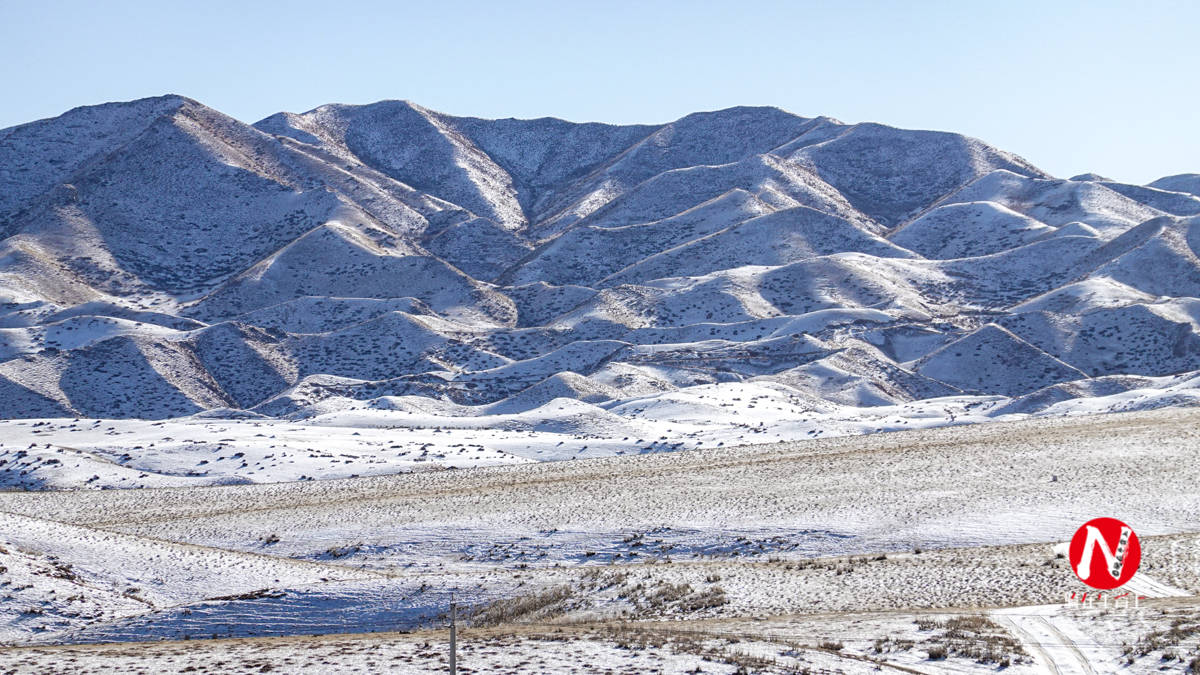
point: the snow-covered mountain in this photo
(159, 258)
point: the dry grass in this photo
(537, 606)
(974, 637)
(1172, 642)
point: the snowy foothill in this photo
(409, 434)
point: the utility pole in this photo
(453, 638)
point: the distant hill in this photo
(159, 258)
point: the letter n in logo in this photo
(1105, 553)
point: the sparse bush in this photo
(713, 597)
(971, 636)
(507, 610)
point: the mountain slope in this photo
(159, 258)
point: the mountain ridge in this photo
(405, 252)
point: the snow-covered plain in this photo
(948, 520)
(406, 436)
(868, 642)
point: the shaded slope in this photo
(993, 360)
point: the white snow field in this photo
(815, 537)
(832, 395)
(56, 453)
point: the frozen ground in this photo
(1161, 636)
(1009, 482)
(949, 521)
(562, 651)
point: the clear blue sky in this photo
(1109, 87)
